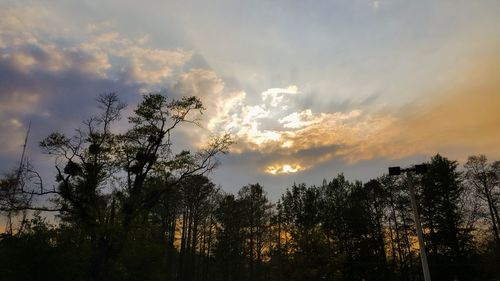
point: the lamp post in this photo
(418, 169)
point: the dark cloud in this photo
(51, 101)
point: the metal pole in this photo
(423, 255)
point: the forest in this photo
(126, 206)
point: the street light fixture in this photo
(418, 169)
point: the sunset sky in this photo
(308, 89)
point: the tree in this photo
(440, 210)
(485, 178)
(91, 194)
(84, 164)
(256, 215)
(147, 144)
(399, 220)
(197, 192)
(229, 255)
(350, 219)
(16, 197)
(375, 201)
(17, 191)
(306, 244)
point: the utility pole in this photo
(419, 169)
(18, 185)
(21, 163)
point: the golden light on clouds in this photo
(466, 117)
(275, 126)
(463, 116)
(284, 169)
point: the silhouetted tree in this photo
(439, 201)
(256, 215)
(106, 209)
(84, 163)
(229, 255)
(309, 251)
(485, 178)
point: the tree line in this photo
(128, 207)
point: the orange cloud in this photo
(466, 119)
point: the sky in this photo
(307, 89)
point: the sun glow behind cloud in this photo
(277, 125)
(283, 169)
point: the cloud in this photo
(460, 120)
(52, 101)
(56, 59)
(30, 38)
(51, 73)
(18, 101)
(141, 64)
(463, 119)
(221, 105)
(283, 169)
(289, 133)
(298, 119)
(275, 96)
(18, 25)
(13, 128)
